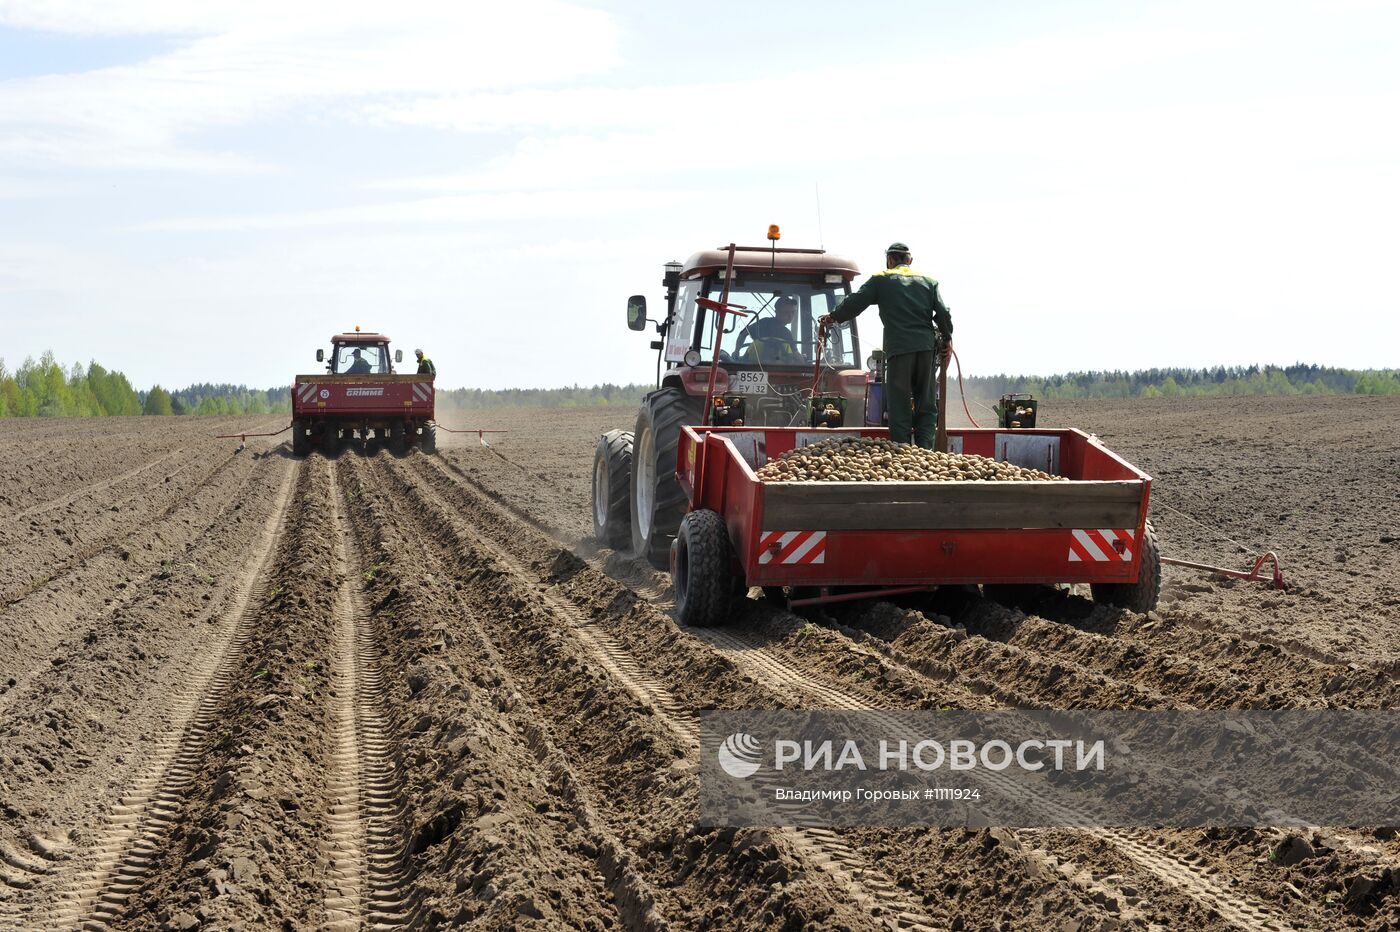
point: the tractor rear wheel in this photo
(702, 574)
(658, 502)
(1141, 596)
(428, 442)
(301, 443)
(612, 485)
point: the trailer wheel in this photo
(330, 440)
(702, 576)
(397, 437)
(1141, 596)
(658, 502)
(612, 484)
(428, 442)
(301, 443)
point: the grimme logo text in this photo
(739, 755)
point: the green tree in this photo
(158, 402)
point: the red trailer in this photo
(832, 541)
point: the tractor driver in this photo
(772, 336)
(918, 330)
(360, 365)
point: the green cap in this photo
(896, 247)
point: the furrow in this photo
(632, 895)
(1178, 871)
(93, 488)
(122, 597)
(365, 848)
(864, 884)
(129, 843)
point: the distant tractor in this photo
(360, 398)
(745, 317)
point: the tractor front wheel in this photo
(612, 482)
(1140, 596)
(702, 571)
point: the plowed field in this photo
(239, 690)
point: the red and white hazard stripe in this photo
(305, 393)
(794, 548)
(1101, 545)
(422, 391)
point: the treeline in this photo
(575, 396)
(1299, 379)
(46, 389)
(228, 399)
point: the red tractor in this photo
(360, 397)
(740, 329)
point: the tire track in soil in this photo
(130, 839)
(109, 542)
(365, 845)
(70, 725)
(1139, 846)
(1177, 655)
(92, 488)
(864, 885)
(14, 684)
(638, 575)
(629, 898)
(1149, 854)
(852, 868)
(1059, 664)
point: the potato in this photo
(872, 460)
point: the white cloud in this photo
(250, 62)
(459, 210)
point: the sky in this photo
(204, 192)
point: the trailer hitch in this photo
(242, 438)
(479, 431)
(1254, 575)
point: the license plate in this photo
(748, 383)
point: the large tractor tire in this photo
(1141, 596)
(428, 442)
(301, 443)
(658, 503)
(702, 574)
(612, 490)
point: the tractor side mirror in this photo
(320, 355)
(398, 355)
(637, 312)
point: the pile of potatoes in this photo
(870, 460)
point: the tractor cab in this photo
(740, 347)
(769, 350)
(360, 354)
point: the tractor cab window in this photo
(781, 326)
(361, 359)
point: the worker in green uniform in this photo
(918, 333)
(425, 365)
